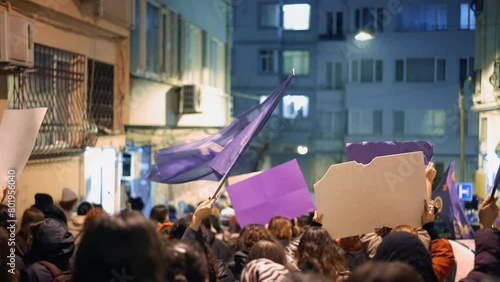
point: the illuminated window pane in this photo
(296, 16)
(295, 106)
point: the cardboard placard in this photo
(356, 198)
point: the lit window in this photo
(298, 60)
(295, 106)
(369, 19)
(296, 16)
(423, 17)
(467, 18)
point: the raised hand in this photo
(488, 212)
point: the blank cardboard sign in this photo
(356, 198)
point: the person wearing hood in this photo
(52, 244)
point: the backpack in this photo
(59, 276)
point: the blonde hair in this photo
(405, 228)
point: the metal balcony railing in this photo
(57, 83)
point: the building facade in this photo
(80, 73)
(402, 85)
(487, 90)
(179, 81)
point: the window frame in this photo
(436, 61)
(274, 58)
(374, 113)
(375, 74)
(470, 15)
(435, 26)
(260, 15)
(378, 25)
(286, 72)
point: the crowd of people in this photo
(207, 245)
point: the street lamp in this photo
(461, 107)
(363, 35)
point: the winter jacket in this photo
(75, 226)
(487, 259)
(443, 259)
(220, 249)
(236, 266)
(223, 272)
(52, 242)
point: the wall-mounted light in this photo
(364, 36)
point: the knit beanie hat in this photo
(407, 248)
(263, 270)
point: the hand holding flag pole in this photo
(496, 183)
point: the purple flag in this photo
(365, 152)
(451, 212)
(281, 190)
(210, 158)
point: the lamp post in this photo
(461, 107)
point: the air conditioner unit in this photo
(17, 49)
(495, 77)
(190, 100)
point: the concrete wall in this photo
(70, 25)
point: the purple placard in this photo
(365, 152)
(281, 190)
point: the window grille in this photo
(57, 83)
(100, 96)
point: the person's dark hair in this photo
(281, 228)
(350, 244)
(215, 223)
(268, 249)
(385, 272)
(4, 215)
(69, 205)
(83, 208)
(252, 234)
(136, 204)
(406, 247)
(317, 252)
(159, 213)
(178, 230)
(127, 244)
(185, 261)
